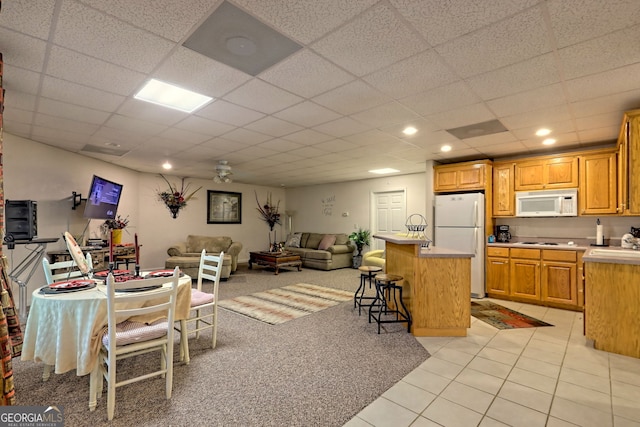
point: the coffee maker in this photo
(502, 234)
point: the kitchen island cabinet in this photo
(612, 293)
(436, 285)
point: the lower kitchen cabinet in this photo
(545, 277)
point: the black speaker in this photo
(21, 220)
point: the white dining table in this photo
(65, 330)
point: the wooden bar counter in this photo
(436, 285)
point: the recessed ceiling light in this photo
(166, 165)
(549, 141)
(543, 132)
(167, 95)
(383, 171)
(445, 148)
(409, 130)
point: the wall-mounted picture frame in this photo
(224, 207)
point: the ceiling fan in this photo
(223, 172)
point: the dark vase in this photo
(175, 209)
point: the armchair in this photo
(375, 258)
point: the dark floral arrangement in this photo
(269, 211)
(174, 197)
(116, 224)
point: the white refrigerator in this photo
(459, 225)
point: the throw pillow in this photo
(294, 240)
(327, 241)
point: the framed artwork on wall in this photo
(224, 207)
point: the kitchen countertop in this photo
(430, 252)
(578, 246)
(634, 258)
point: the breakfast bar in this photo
(436, 285)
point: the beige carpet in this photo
(280, 305)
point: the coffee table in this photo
(275, 260)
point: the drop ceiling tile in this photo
(497, 138)
(80, 95)
(596, 55)
(373, 136)
(246, 136)
(504, 150)
(72, 112)
(308, 152)
(604, 120)
(287, 158)
(307, 114)
(556, 128)
(182, 136)
(510, 41)
(441, 99)
(165, 144)
(307, 137)
(190, 70)
(100, 35)
(227, 112)
(530, 100)
(344, 126)
(17, 80)
(14, 116)
(253, 152)
(530, 74)
(418, 73)
(134, 108)
(598, 135)
(72, 141)
(205, 126)
(29, 55)
(263, 97)
(273, 126)
(305, 20)
(352, 98)
(592, 18)
(118, 136)
(306, 74)
(375, 39)
(64, 124)
(423, 127)
(280, 145)
(602, 84)
(386, 115)
(166, 18)
(129, 124)
(32, 18)
(436, 138)
(81, 69)
(622, 101)
(225, 145)
(336, 146)
(20, 100)
(463, 116)
(440, 21)
(18, 129)
(545, 117)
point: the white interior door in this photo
(389, 214)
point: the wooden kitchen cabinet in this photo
(546, 173)
(461, 176)
(503, 189)
(559, 277)
(497, 271)
(629, 164)
(524, 273)
(598, 176)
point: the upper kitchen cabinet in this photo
(546, 173)
(598, 175)
(503, 189)
(629, 164)
(461, 176)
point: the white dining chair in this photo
(200, 316)
(128, 338)
(66, 270)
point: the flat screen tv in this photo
(103, 200)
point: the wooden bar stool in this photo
(387, 290)
(367, 272)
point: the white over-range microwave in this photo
(547, 203)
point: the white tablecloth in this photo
(65, 330)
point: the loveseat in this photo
(322, 251)
(186, 255)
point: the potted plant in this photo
(361, 238)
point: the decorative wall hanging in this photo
(224, 207)
(174, 198)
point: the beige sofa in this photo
(338, 254)
(186, 255)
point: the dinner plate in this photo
(142, 289)
(71, 284)
(104, 273)
(162, 273)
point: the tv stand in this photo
(30, 263)
(77, 200)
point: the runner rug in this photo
(502, 317)
(280, 305)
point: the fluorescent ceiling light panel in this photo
(384, 171)
(167, 95)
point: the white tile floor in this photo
(548, 376)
